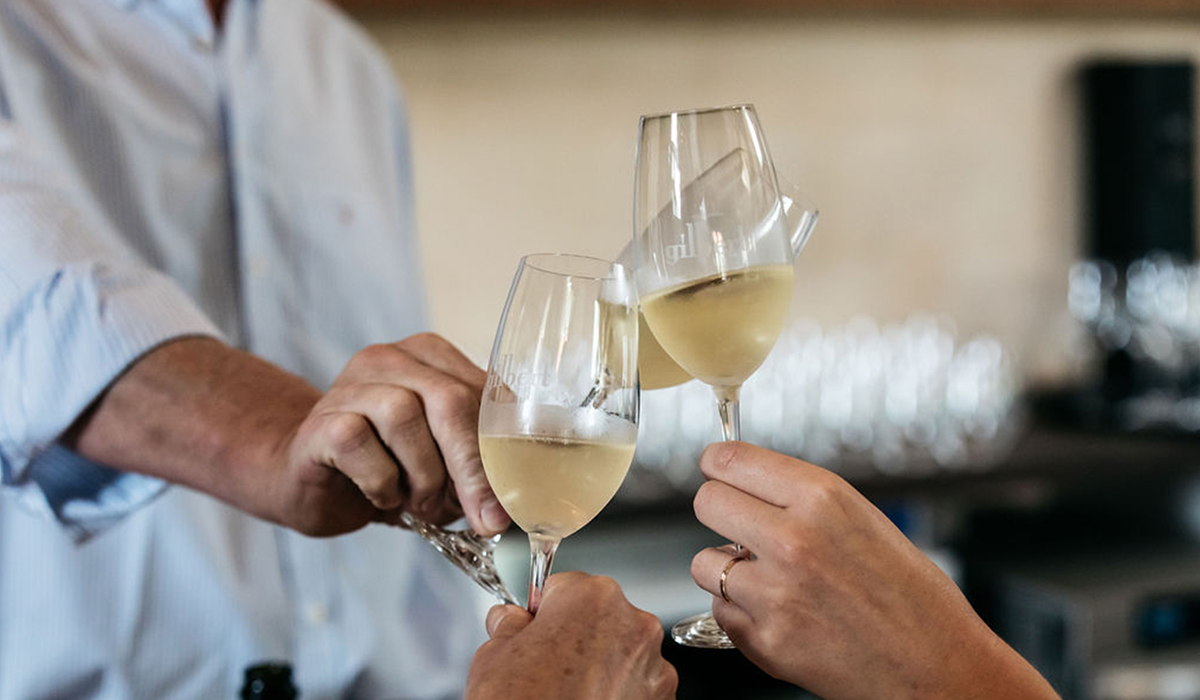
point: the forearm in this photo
(198, 413)
(959, 658)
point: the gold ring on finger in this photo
(725, 576)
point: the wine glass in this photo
(555, 448)
(656, 368)
(713, 261)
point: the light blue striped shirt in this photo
(161, 179)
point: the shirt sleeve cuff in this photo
(75, 335)
(85, 497)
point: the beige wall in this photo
(942, 152)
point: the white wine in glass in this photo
(713, 259)
(723, 326)
(558, 422)
(554, 485)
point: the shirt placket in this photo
(319, 645)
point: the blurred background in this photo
(997, 322)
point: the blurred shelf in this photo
(1056, 456)
(1045, 461)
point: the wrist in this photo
(255, 449)
(990, 669)
(266, 465)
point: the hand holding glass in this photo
(555, 449)
(713, 260)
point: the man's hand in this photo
(397, 431)
(836, 599)
(400, 424)
(586, 643)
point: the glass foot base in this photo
(702, 632)
(466, 550)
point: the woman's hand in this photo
(586, 643)
(835, 598)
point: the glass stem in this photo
(731, 421)
(730, 410)
(542, 549)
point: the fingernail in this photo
(493, 618)
(493, 516)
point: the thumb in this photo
(504, 621)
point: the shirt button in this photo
(316, 613)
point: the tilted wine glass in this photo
(713, 261)
(555, 448)
(656, 369)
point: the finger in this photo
(664, 680)
(346, 442)
(734, 619)
(452, 411)
(737, 516)
(565, 582)
(770, 476)
(382, 362)
(398, 416)
(708, 564)
(454, 419)
(572, 594)
(440, 354)
(504, 621)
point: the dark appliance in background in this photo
(1122, 626)
(1138, 124)
(1101, 589)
